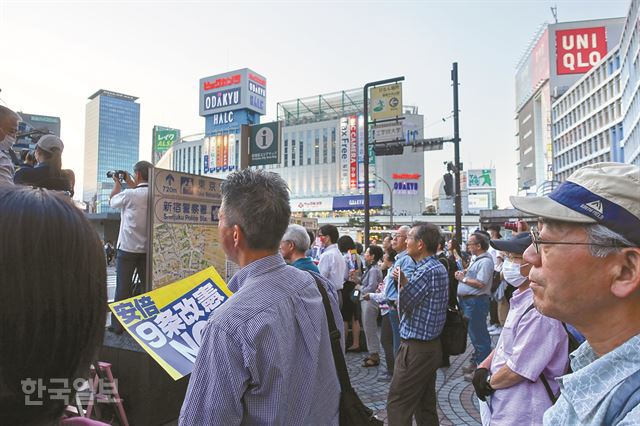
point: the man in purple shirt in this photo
(265, 356)
(532, 349)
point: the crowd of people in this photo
(266, 355)
(41, 167)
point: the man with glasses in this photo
(8, 130)
(423, 299)
(474, 290)
(585, 270)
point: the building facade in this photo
(112, 141)
(587, 120)
(321, 158)
(597, 118)
(558, 56)
(630, 85)
(32, 126)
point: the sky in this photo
(56, 54)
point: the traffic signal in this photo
(448, 184)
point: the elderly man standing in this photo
(422, 302)
(530, 354)
(585, 259)
(8, 130)
(474, 290)
(266, 353)
(293, 247)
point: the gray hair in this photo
(404, 229)
(258, 202)
(6, 113)
(603, 236)
(298, 235)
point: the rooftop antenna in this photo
(554, 12)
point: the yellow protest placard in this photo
(168, 322)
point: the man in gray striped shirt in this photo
(265, 356)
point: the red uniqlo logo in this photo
(580, 49)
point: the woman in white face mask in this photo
(509, 382)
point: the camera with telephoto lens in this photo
(512, 226)
(120, 174)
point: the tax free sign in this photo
(231, 91)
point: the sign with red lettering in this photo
(353, 152)
(578, 50)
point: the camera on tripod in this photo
(120, 174)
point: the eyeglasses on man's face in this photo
(537, 242)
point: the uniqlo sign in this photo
(580, 49)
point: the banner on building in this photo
(222, 94)
(344, 153)
(578, 50)
(481, 178)
(356, 202)
(353, 152)
(386, 101)
(163, 139)
(405, 188)
(264, 144)
(168, 322)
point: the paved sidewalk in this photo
(457, 404)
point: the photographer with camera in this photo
(132, 238)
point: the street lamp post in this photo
(390, 198)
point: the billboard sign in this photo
(353, 152)
(355, 202)
(323, 204)
(405, 188)
(388, 132)
(578, 50)
(264, 144)
(164, 138)
(344, 153)
(232, 91)
(481, 178)
(479, 201)
(386, 101)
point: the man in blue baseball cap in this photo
(585, 270)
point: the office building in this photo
(597, 118)
(630, 85)
(112, 138)
(557, 57)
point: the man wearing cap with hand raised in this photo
(585, 270)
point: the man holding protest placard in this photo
(266, 354)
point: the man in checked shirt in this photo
(265, 356)
(422, 304)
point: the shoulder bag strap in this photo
(334, 335)
(543, 379)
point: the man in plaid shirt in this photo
(422, 304)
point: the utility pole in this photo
(456, 143)
(366, 149)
